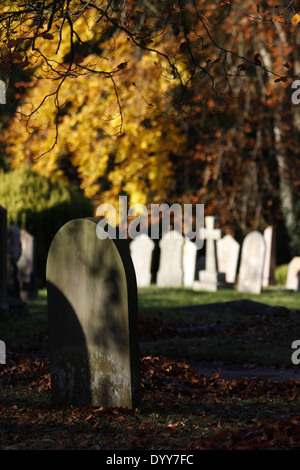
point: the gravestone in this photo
(170, 271)
(252, 263)
(2, 352)
(141, 250)
(3, 263)
(27, 266)
(2, 92)
(93, 318)
(228, 250)
(270, 258)
(210, 279)
(293, 275)
(189, 260)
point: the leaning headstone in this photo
(293, 275)
(211, 278)
(93, 318)
(189, 260)
(27, 267)
(270, 258)
(141, 250)
(228, 250)
(3, 262)
(170, 272)
(252, 263)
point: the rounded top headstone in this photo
(93, 318)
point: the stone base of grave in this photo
(212, 281)
(209, 286)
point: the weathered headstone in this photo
(93, 318)
(141, 249)
(2, 92)
(270, 258)
(252, 263)
(228, 250)
(2, 352)
(211, 278)
(3, 262)
(170, 272)
(293, 275)
(27, 266)
(189, 260)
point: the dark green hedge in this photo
(41, 206)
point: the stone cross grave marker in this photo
(27, 266)
(170, 271)
(210, 278)
(293, 275)
(141, 250)
(4, 309)
(228, 250)
(252, 263)
(93, 318)
(270, 258)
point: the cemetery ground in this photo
(181, 408)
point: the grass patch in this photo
(27, 333)
(259, 339)
(153, 301)
(221, 350)
(237, 338)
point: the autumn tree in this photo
(244, 160)
(161, 100)
(107, 151)
(189, 39)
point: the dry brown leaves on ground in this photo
(164, 383)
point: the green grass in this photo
(153, 300)
(23, 333)
(214, 349)
(259, 339)
(234, 338)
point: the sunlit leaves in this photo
(296, 19)
(112, 130)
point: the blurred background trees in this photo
(163, 101)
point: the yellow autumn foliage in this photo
(296, 18)
(117, 131)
